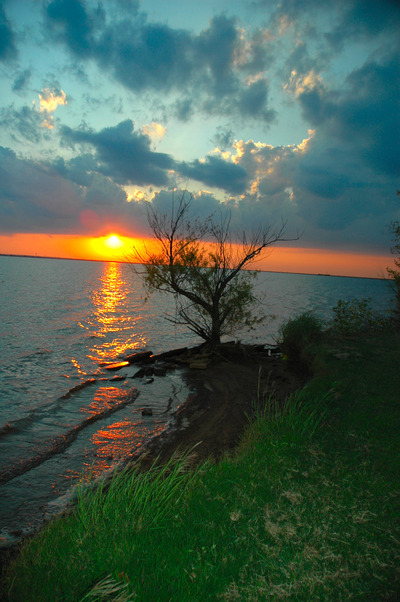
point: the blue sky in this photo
(279, 110)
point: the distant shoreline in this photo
(125, 261)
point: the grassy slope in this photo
(301, 512)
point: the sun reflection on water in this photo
(106, 399)
(113, 330)
(114, 317)
(122, 439)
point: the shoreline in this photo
(209, 423)
(277, 501)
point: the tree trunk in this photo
(215, 337)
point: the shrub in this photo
(297, 338)
(394, 273)
(355, 315)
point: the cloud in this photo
(213, 67)
(323, 32)
(348, 19)
(33, 197)
(8, 48)
(154, 130)
(62, 197)
(124, 154)
(49, 100)
(73, 24)
(183, 109)
(21, 80)
(337, 183)
(24, 123)
(253, 100)
(300, 84)
(223, 137)
(364, 19)
(363, 116)
(325, 190)
(216, 172)
(215, 48)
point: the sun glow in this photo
(112, 247)
(282, 259)
(113, 241)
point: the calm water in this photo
(59, 320)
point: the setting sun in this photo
(114, 242)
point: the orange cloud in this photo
(49, 100)
(154, 130)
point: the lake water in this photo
(59, 321)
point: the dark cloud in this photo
(124, 154)
(218, 173)
(146, 56)
(257, 54)
(349, 19)
(334, 188)
(23, 123)
(80, 170)
(33, 197)
(8, 48)
(184, 109)
(223, 138)
(317, 105)
(364, 19)
(253, 100)
(325, 177)
(215, 48)
(74, 24)
(322, 29)
(21, 80)
(130, 6)
(302, 61)
(43, 197)
(370, 109)
(325, 190)
(364, 115)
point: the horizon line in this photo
(136, 263)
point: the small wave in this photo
(24, 421)
(62, 442)
(6, 428)
(29, 355)
(15, 425)
(85, 383)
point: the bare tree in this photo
(203, 268)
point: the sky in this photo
(281, 112)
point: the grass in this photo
(307, 509)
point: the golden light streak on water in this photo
(120, 440)
(78, 367)
(105, 399)
(112, 314)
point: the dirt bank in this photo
(223, 400)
